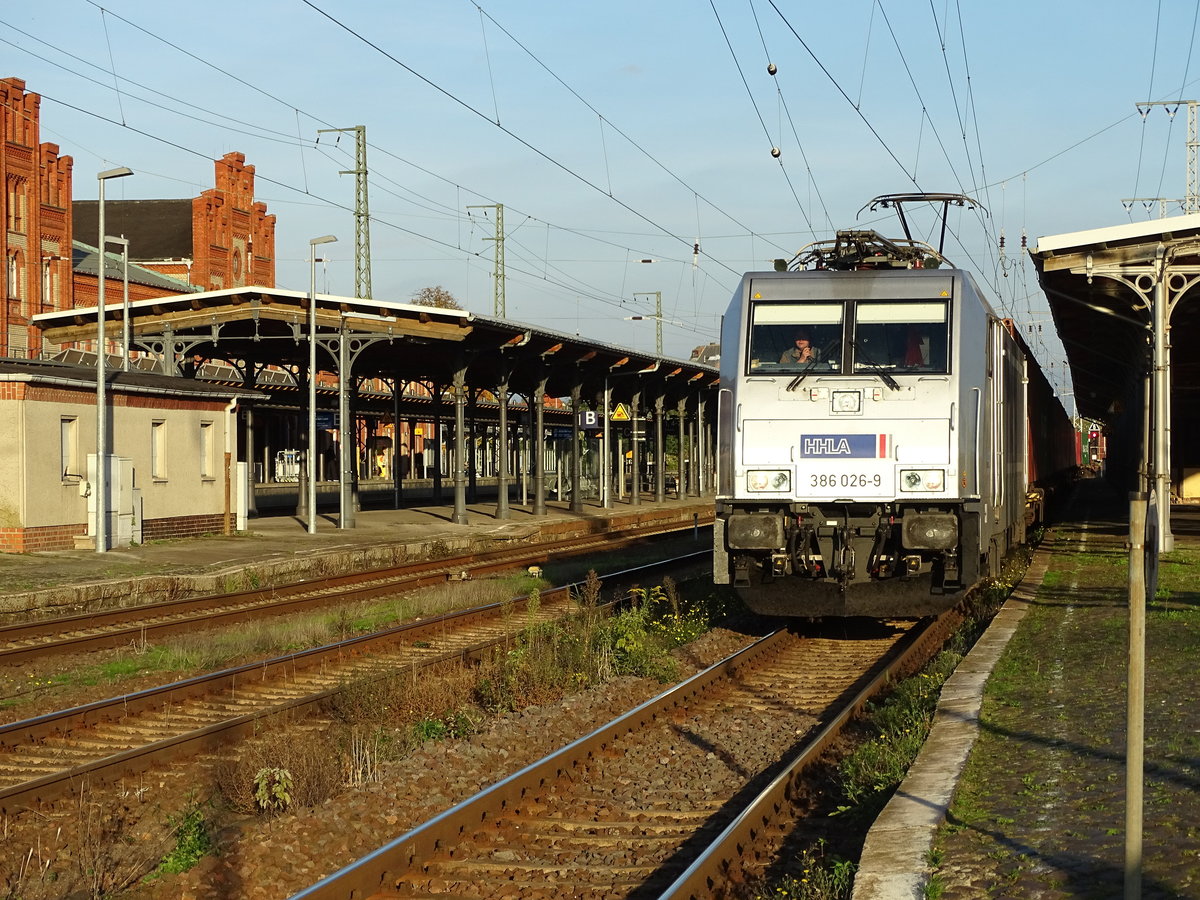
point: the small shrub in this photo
(192, 842)
(272, 789)
(315, 763)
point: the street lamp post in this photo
(311, 461)
(101, 375)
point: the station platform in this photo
(277, 549)
(1020, 790)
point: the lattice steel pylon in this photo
(1192, 203)
(362, 216)
(498, 274)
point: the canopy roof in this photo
(1098, 283)
(269, 326)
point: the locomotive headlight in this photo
(847, 401)
(768, 480)
(922, 479)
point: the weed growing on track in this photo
(192, 841)
(218, 648)
(210, 650)
(383, 719)
(550, 659)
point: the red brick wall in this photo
(49, 537)
(233, 238)
(62, 537)
(35, 220)
(182, 526)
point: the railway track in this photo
(109, 739)
(136, 625)
(673, 799)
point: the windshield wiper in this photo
(795, 382)
(875, 367)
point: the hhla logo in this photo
(836, 446)
(827, 446)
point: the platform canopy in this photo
(254, 327)
(1100, 285)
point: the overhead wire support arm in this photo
(362, 216)
(1191, 201)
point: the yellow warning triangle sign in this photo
(621, 413)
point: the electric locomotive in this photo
(871, 437)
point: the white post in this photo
(1162, 400)
(101, 374)
(311, 456)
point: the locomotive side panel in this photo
(1052, 445)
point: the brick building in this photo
(35, 206)
(221, 239)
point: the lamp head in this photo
(120, 172)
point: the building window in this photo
(206, 450)
(158, 449)
(12, 278)
(16, 203)
(68, 446)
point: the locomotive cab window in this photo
(796, 337)
(900, 337)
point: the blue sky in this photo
(621, 131)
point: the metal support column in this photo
(537, 441)
(660, 452)
(635, 454)
(460, 446)
(681, 482)
(397, 471)
(346, 441)
(606, 456)
(1162, 399)
(576, 456)
(251, 449)
(502, 474)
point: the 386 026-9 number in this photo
(827, 480)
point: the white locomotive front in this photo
(869, 434)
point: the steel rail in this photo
(247, 605)
(65, 722)
(725, 858)
(376, 872)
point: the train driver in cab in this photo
(802, 352)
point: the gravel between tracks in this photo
(277, 858)
(259, 859)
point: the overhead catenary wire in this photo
(409, 209)
(251, 129)
(775, 151)
(522, 141)
(606, 121)
(771, 69)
